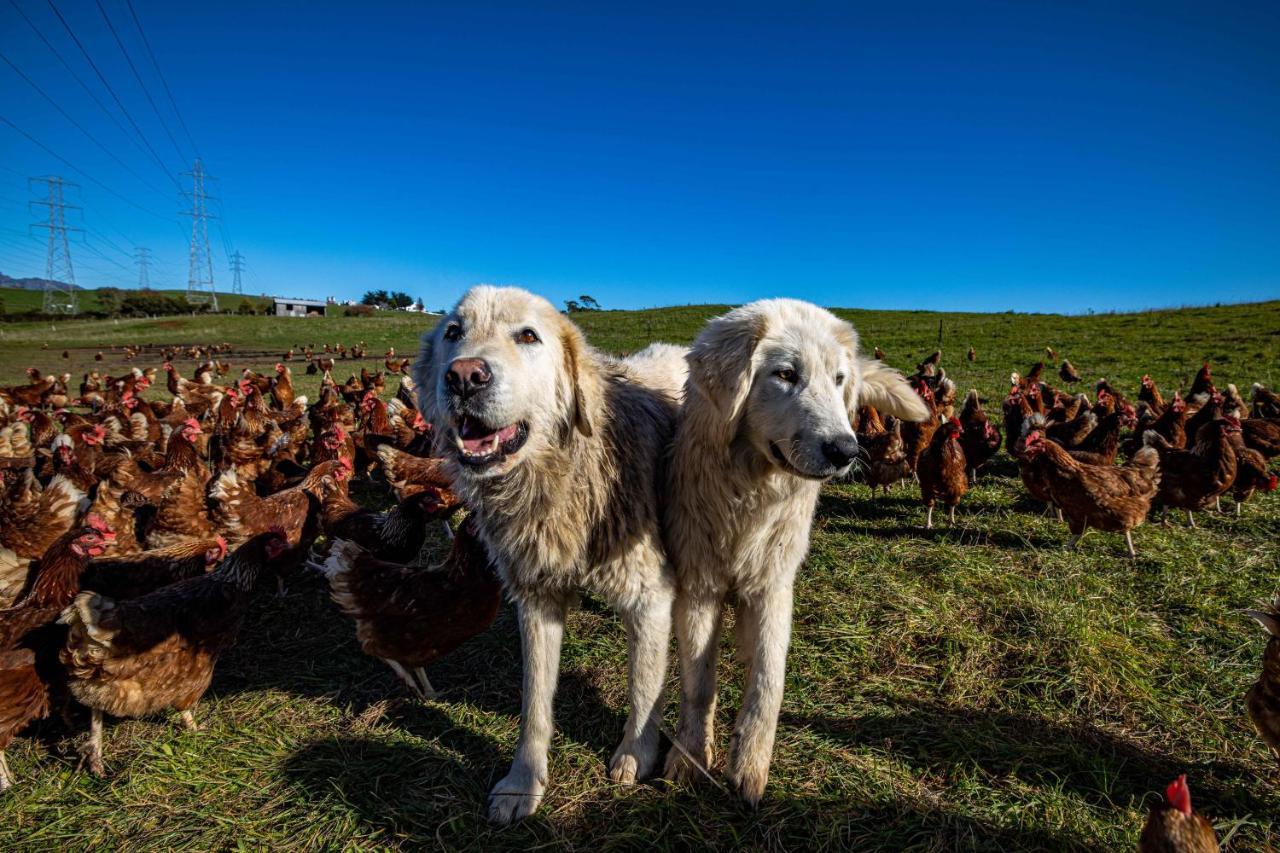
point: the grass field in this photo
(18, 300)
(975, 687)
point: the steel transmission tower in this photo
(59, 276)
(200, 271)
(142, 257)
(237, 265)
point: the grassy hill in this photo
(16, 300)
(975, 687)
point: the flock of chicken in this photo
(134, 534)
(1180, 454)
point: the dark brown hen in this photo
(129, 658)
(410, 616)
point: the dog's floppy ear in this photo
(584, 383)
(721, 362)
(425, 372)
(885, 388)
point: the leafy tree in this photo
(375, 298)
(589, 303)
(400, 299)
(246, 307)
(571, 306)
(109, 298)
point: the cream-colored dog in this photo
(555, 449)
(766, 421)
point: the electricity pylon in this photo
(142, 257)
(237, 265)
(59, 275)
(200, 269)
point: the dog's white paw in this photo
(748, 775)
(632, 761)
(680, 769)
(516, 797)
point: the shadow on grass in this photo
(437, 796)
(1100, 767)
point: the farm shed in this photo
(282, 307)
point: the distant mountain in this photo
(27, 283)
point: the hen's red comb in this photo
(97, 523)
(1179, 795)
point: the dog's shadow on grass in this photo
(438, 796)
(1102, 768)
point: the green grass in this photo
(19, 300)
(975, 687)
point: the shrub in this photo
(358, 311)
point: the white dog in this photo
(555, 448)
(766, 421)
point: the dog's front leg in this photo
(648, 623)
(541, 629)
(769, 626)
(698, 637)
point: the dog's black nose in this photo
(841, 451)
(467, 376)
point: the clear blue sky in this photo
(986, 156)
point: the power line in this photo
(113, 94)
(138, 77)
(77, 124)
(83, 85)
(173, 103)
(76, 168)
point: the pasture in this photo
(967, 687)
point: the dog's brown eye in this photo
(786, 375)
(528, 336)
(839, 378)
(453, 332)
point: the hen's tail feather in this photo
(89, 633)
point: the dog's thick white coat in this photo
(770, 385)
(576, 507)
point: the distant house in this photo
(282, 307)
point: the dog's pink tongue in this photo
(474, 440)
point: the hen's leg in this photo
(1217, 503)
(648, 624)
(928, 519)
(1238, 505)
(404, 676)
(428, 692)
(697, 639)
(6, 777)
(91, 749)
(1128, 538)
(1191, 518)
(953, 515)
(189, 721)
(518, 794)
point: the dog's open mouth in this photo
(792, 469)
(480, 444)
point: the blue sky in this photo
(981, 156)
